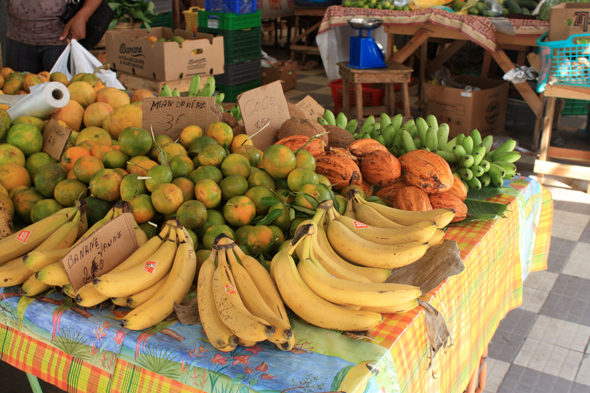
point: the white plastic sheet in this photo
(43, 100)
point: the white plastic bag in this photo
(82, 61)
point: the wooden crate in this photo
(132, 82)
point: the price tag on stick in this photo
(259, 107)
(312, 109)
(55, 139)
(101, 252)
(170, 115)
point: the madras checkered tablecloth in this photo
(86, 351)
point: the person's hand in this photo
(75, 28)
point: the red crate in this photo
(371, 96)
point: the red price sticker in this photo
(229, 289)
(23, 236)
(360, 225)
(150, 267)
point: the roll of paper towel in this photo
(42, 101)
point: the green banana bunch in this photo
(322, 121)
(219, 98)
(165, 91)
(352, 125)
(209, 88)
(175, 93)
(195, 86)
(341, 120)
(329, 117)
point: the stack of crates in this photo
(238, 22)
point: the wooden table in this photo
(308, 15)
(394, 73)
(420, 35)
(542, 165)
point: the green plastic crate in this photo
(575, 108)
(162, 20)
(238, 45)
(222, 21)
(232, 92)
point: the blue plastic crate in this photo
(567, 61)
(232, 6)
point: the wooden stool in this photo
(394, 73)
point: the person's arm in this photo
(76, 27)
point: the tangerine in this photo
(142, 208)
(47, 178)
(186, 186)
(211, 155)
(181, 166)
(26, 138)
(85, 167)
(11, 155)
(189, 134)
(206, 172)
(256, 195)
(68, 191)
(259, 238)
(240, 140)
(235, 164)
(251, 153)
(167, 198)
(44, 209)
(260, 178)
(299, 177)
(214, 217)
(239, 211)
(132, 186)
(105, 185)
(213, 231)
(233, 186)
(159, 174)
(208, 192)
(278, 161)
(191, 214)
(221, 132)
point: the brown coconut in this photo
(380, 168)
(239, 130)
(302, 126)
(338, 137)
(413, 199)
(228, 119)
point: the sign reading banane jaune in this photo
(101, 252)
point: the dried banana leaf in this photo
(188, 313)
(439, 263)
(437, 331)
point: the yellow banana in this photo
(442, 217)
(119, 301)
(37, 260)
(264, 283)
(366, 253)
(31, 237)
(139, 298)
(54, 275)
(218, 334)
(419, 232)
(340, 291)
(33, 287)
(312, 308)
(88, 296)
(97, 225)
(68, 290)
(401, 307)
(287, 346)
(231, 309)
(148, 270)
(254, 302)
(83, 224)
(247, 344)
(437, 237)
(349, 212)
(14, 272)
(161, 305)
(370, 216)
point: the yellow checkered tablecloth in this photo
(176, 358)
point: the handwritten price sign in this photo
(261, 106)
(55, 139)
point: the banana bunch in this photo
(238, 301)
(171, 288)
(339, 121)
(46, 263)
(385, 130)
(56, 232)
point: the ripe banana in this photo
(309, 306)
(254, 302)
(88, 296)
(14, 272)
(138, 299)
(401, 307)
(31, 237)
(33, 287)
(349, 212)
(442, 217)
(149, 266)
(68, 290)
(119, 301)
(287, 346)
(231, 309)
(338, 291)
(54, 275)
(437, 237)
(366, 253)
(161, 305)
(419, 232)
(218, 334)
(370, 216)
(37, 260)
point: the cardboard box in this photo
(568, 19)
(463, 111)
(129, 51)
(285, 71)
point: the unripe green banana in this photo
(388, 134)
(487, 143)
(165, 92)
(175, 93)
(511, 156)
(479, 152)
(485, 180)
(379, 138)
(209, 88)
(497, 181)
(477, 170)
(466, 161)
(467, 144)
(460, 138)
(394, 150)
(432, 122)
(448, 157)
(368, 124)
(421, 127)
(413, 131)
(509, 167)
(496, 171)
(341, 120)
(485, 164)
(465, 173)
(425, 148)
(409, 124)
(219, 98)
(418, 143)
(465, 183)
(396, 122)
(431, 139)
(398, 139)
(322, 121)
(442, 136)
(352, 125)
(384, 121)
(476, 136)
(409, 144)
(474, 183)
(329, 117)
(459, 152)
(195, 86)
(450, 144)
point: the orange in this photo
(71, 155)
(256, 194)
(94, 134)
(16, 190)
(278, 161)
(114, 97)
(86, 166)
(242, 235)
(187, 187)
(105, 185)
(259, 239)
(214, 217)
(239, 211)
(7, 202)
(135, 141)
(285, 195)
(47, 177)
(240, 140)
(99, 151)
(315, 193)
(342, 202)
(200, 143)
(95, 114)
(251, 153)
(261, 178)
(159, 174)
(324, 180)
(13, 175)
(131, 186)
(189, 135)
(161, 140)
(6, 71)
(96, 209)
(88, 145)
(278, 237)
(233, 186)
(44, 209)
(71, 114)
(208, 192)
(11, 155)
(167, 198)
(235, 164)
(305, 160)
(68, 191)
(191, 214)
(299, 177)
(211, 155)
(181, 166)
(26, 138)
(284, 220)
(142, 167)
(24, 202)
(5, 121)
(172, 150)
(206, 172)
(115, 159)
(58, 77)
(83, 93)
(34, 121)
(139, 95)
(213, 231)
(142, 208)
(71, 175)
(221, 132)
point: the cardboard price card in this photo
(101, 252)
(55, 139)
(260, 106)
(312, 109)
(170, 115)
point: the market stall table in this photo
(86, 351)
(334, 33)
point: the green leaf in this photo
(304, 210)
(484, 193)
(510, 191)
(253, 382)
(310, 199)
(476, 208)
(291, 214)
(270, 201)
(270, 217)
